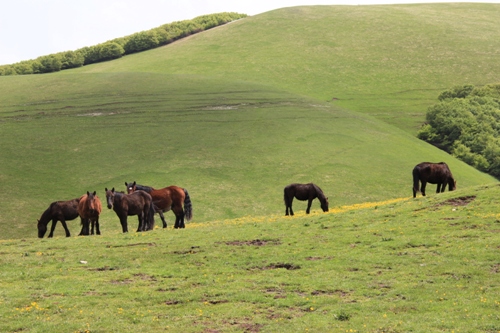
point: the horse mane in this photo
(47, 214)
(144, 188)
(319, 192)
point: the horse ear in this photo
(106, 189)
(88, 193)
(126, 184)
(133, 183)
(95, 192)
(113, 190)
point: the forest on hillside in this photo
(116, 48)
(466, 123)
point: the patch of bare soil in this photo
(286, 266)
(255, 242)
(129, 245)
(460, 201)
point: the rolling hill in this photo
(236, 113)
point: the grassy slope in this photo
(424, 265)
(389, 61)
(233, 145)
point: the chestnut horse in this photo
(304, 192)
(168, 198)
(58, 211)
(434, 173)
(89, 209)
(138, 203)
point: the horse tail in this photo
(416, 179)
(188, 206)
(151, 216)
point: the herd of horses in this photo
(145, 201)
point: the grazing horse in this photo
(89, 209)
(434, 173)
(58, 211)
(303, 192)
(138, 203)
(168, 198)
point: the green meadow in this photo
(403, 265)
(327, 94)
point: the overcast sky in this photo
(33, 28)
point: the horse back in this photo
(301, 191)
(64, 209)
(433, 173)
(168, 196)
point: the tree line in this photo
(466, 123)
(116, 48)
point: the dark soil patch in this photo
(215, 301)
(135, 244)
(103, 269)
(255, 242)
(460, 201)
(289, 267)
(192, 250)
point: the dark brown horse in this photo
(434, 173)
(89, 209)
(304, 192)
(168, 198)
(138, 203)
(58, 211)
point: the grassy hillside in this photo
(389, 61)
(233, 145)
(424, 265)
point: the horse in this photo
(89, 209)
(168, 198)
(304, 192)
(138, 203)
(434, 173)
(58, 211)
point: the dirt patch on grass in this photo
(129, 245)
(103, 269)
(456, 202)
(255, 242)
(287, 266)
(460, 201)
(192, 250)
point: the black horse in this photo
(434, 173)
(58, 211)
(303, 192)
(138, 203)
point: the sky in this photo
(33, 28)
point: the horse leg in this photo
(52, 227)
(65, 226)
(86, 227)
(91, 222)
(422, 189)
(140, 227)
(162, 218)
(98, 231)
(309, 202)
(288, 205)
(123, 222)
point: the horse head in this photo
(131, 187)
(42, 229)
(92, 201)
(110, 196)
(324, 205)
